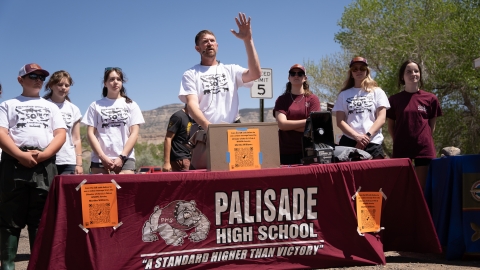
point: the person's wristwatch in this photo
(124, 158)
(368, 134)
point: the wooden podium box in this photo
(217, 144)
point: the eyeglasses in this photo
(362, 68)
(34, 76)
(110, 68)
(299, 73)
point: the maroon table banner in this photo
(293, 217)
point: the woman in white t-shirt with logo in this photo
(361, 110)
(69, 158)
(113, 125)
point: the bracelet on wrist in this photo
(79, 165)
(79, 155)
(123, 158)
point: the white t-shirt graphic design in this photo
(30, 120)
(112, 119)
(360, 108)
(217, 90)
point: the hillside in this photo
(156, 121)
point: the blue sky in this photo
(153, 41)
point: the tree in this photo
(326, 78)
(441, 36)
(148, 154)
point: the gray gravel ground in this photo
(395, 260)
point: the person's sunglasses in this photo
(355, 69)
(34, 76)
(110, 68)
(299, 73)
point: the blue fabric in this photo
(447, 193)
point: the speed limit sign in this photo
(263, 87)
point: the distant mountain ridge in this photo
(156, 121)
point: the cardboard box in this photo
(217, 144)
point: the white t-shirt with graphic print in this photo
(30, 120)
(70, 114)
(216, 88)
(360, 108)
(112, 118)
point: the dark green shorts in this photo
(23, 191)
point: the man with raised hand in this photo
(210, 88)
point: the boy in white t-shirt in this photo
(31, 133)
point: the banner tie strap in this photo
(81, 184)
(356, 193)
(118, 225)
(83, 228)
(116, 184)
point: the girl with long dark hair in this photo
(113, 124)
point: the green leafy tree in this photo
(148, 154)
(441, 35)
(86, 149)
(326, 77)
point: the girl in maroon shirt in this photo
(411, 120)
(291, 110)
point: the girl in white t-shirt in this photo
(113, 124)
(361, 109)
(69, 158)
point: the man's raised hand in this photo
(244, 29)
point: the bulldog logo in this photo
(173, 221)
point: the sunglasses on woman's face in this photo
(361, 68)
(34, 76)
(110, 68)
(299, 73)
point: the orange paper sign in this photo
(99, 205)
(369, 211)
(244, 149)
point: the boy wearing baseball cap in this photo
(31, 133)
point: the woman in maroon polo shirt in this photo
(291, 110)
(411, 120)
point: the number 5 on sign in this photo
(262, 88)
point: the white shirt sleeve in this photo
(338, 106)
(136, 114)
(89, 117)
(188, 85)
(57, 119)
(382, 99)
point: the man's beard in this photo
(210, 53)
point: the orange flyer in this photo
(369, 211)
(99, 205)
(244, 149)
